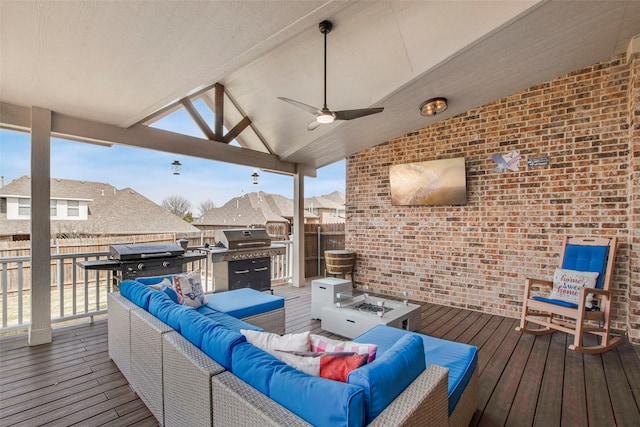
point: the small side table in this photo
(325, 291)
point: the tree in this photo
(206, 206)
(177, 205)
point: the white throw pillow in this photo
(567, 285)
(271, 342)
(189, 286)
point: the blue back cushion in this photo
(136, 292)
(219, 342)
(254, 366)
(386, 377)
(153, 280)
(587, 258)
(161, 306)
(194, 325)
(319, 401)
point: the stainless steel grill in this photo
(242, 259)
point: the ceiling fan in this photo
(324, 115)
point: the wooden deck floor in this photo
(523, 380)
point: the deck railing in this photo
(78, 293)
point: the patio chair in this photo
(580, 301)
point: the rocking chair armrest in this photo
(529, 283)
(607, 293)
(594, 291)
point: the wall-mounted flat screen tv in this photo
(436, 182)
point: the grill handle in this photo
(241, 271)
(260, 269)
(157, 255)
(240, 244)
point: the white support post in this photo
(298, 228)
(40, 329)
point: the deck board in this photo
(523, 407)
(523, 380)
(550, 393)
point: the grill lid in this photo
(243, 238)
(144, 251)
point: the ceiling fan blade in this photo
(313, 125)
(309, 108)
(354, 114)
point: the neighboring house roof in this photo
(111, 210)
(322, 202)
(336, 197)
(250, 209)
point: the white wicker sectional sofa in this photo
(182, 385)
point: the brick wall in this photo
(477, 256)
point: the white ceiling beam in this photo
(71, 128)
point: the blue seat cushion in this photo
(319, 401)
(227, 320)
(389, 374)
(461, 359)
(241, 303)
(563, 303)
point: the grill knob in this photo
(141, 266)
(166, 264)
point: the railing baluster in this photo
(5, 286)
(97, 295)
(60, 276)
(73, 284)
(20, 293)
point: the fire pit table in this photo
(353, 316)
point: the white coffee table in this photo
(354, 316)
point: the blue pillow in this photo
(386, 377)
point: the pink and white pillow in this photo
(320, 344)
(334, 366)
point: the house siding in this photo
(477, 256)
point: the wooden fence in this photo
(319, 238)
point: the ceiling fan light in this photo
(433, 106)
(325, 118)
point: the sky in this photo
(150, 172)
